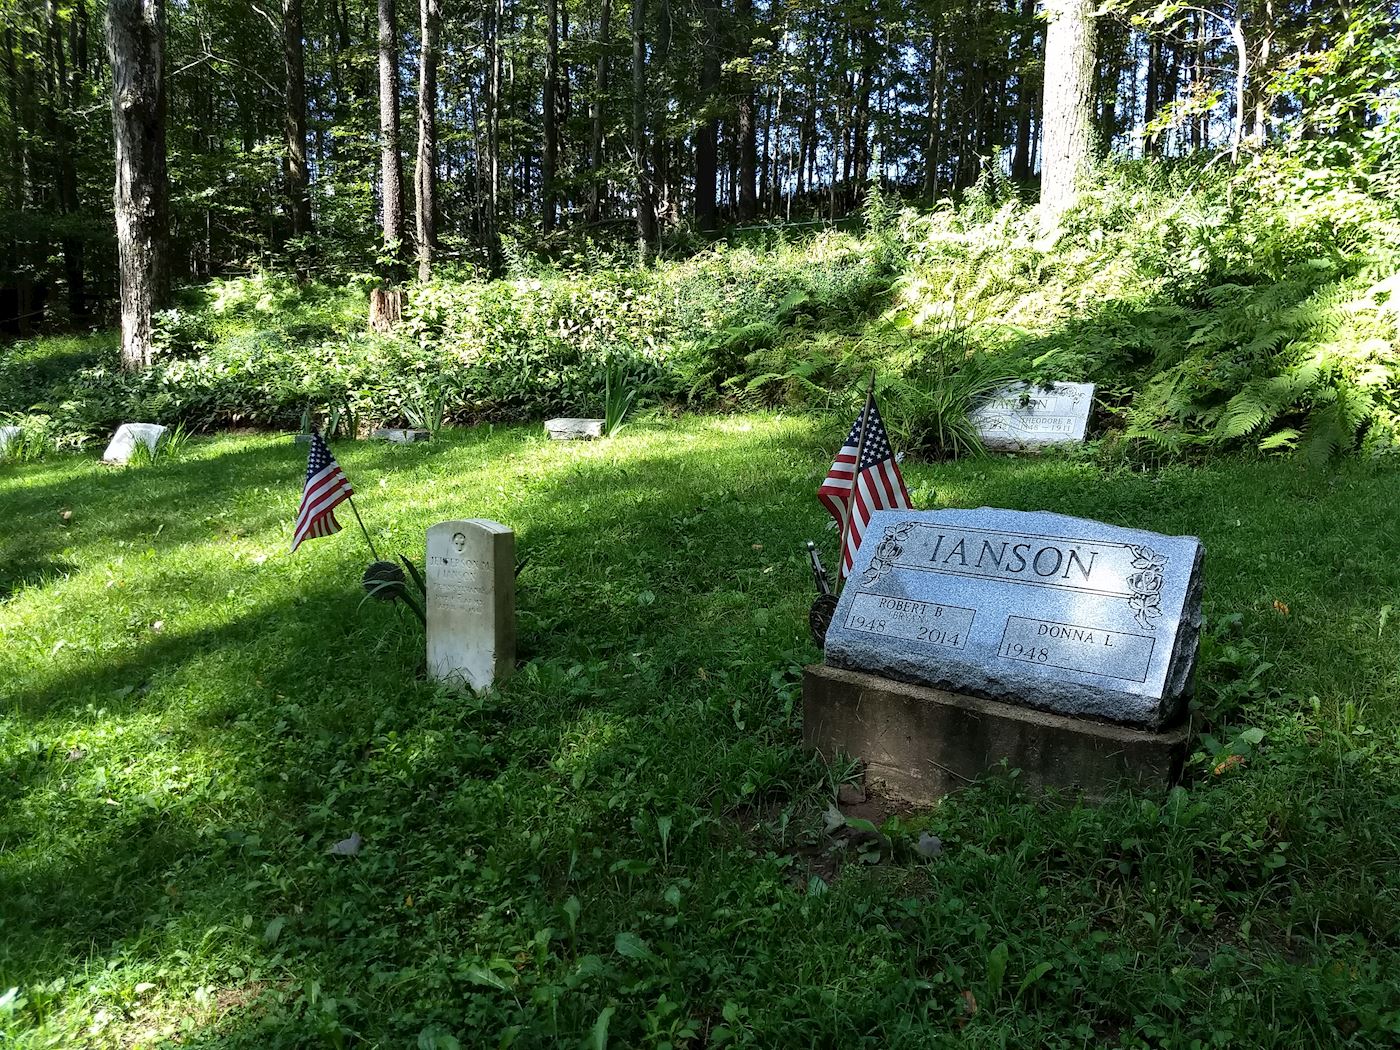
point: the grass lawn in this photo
(625, 846)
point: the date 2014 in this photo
(932, 635)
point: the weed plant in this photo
(1214, 309)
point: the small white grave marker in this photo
(127, 437)
(1027, 416)
(400, 435)
(8, 434)
(566, 428)
(471, 601)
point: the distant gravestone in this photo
(570, 429)
(1025, 416)
(127, 437)
(471, 602)
(400, 435)
(1036, 609)
(8, 434)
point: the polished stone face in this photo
(127, 437)
(471, 601)
(1026, 416)
(1044, 610)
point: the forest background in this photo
(742, 202)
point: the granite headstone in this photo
(127, 437)
(471, 601)
(1025, 416)
(1038, 609)
(566, 428)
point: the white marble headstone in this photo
(471, 602)
(400, 435)
(8, 434)
(127, 437)
(568, 428)
(1027, 416)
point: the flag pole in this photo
(351, 501)
(855, 476)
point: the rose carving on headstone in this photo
(1146, 600)
(889, 549)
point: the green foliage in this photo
(619, 392)
(1214, 309)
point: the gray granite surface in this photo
(1045, 610)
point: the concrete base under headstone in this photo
(923, 743)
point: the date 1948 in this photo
(881, 625)
(1029, 653)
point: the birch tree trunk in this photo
(1069, 105)
(136, 47)
(425, 171)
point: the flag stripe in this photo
(326, 488)
(873, 484)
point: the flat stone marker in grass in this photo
(471, 602)
(400, 435)
(569, 429)
(1011, 614)
(1023, 416)
(127, 437)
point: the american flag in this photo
(878, 484)
(326, 486)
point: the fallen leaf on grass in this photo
(1228, 763)
(1280, 608)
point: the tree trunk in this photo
(663, 197)
(747, 124)
(492, 209)
(136, 46)
(1241, 84)
(707, 135)
(1266, 47)
(425, 170)
(390, 166)
(595, 113)
(1025, 93)
(294, 167)
(933, 142)
(63, 99)
(1068, 95)
(551, 114)
(646, 212)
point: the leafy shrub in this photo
(1215, 309)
